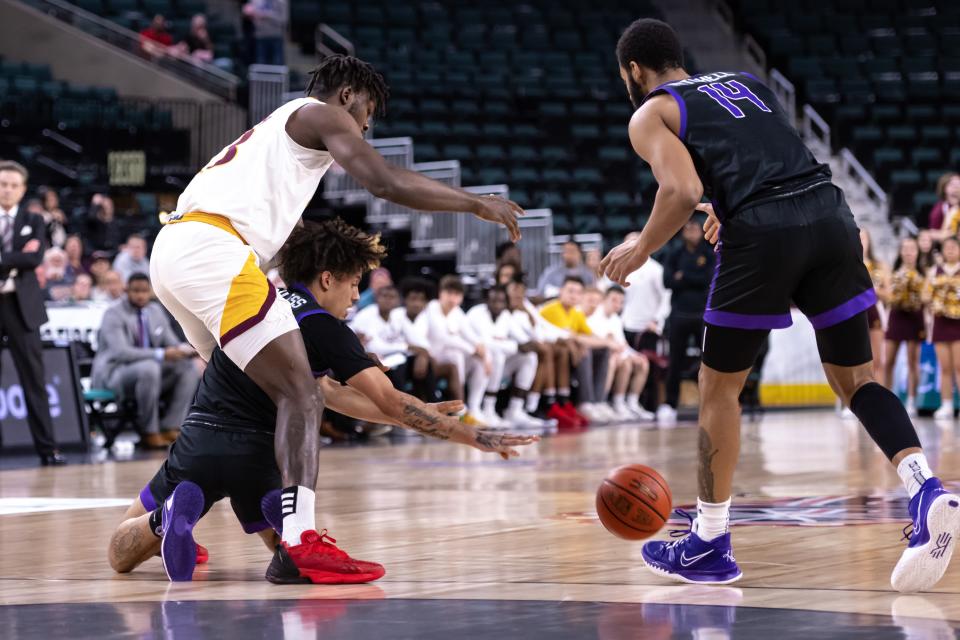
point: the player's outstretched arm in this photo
(678, 193)
(333, 129)
(352, 403)
(410, 413)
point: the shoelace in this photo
(328, 543)
(681, 533)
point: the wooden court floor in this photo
(817, 528)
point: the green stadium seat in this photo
(613, 154)
(951, 113)
(926, 157)
(492, 175)
(887, 157)
(490, 152)
(465, 108)
(524, 176)
(617, 200)
(619, 224)
(586, 221)
(465, 129)
(886, 113)
(906, 177)
(497, 108)
(426, 152)
(923, 201)
(522, 152)
(852, 43)
(585, 131)
(554, 152)
(936, 134)
(123, 6)
(550, 199)
(153, 7)
(525, 131)
(435, 129)
(556, 175)
(496, 130)
(25, 84)
(460, 152)
(890, 90)
(587, 176)
(921, 113)
(584, 199)
(825, 45)
(902, 133)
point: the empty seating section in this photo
(885, 75)
(522, 93)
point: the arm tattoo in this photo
(489, 440)
(705, 453)
(424, 423)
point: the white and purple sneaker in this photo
(936, 524)
(691, 559)
(178, 548)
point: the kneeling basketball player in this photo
(226, 445)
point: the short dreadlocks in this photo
(331, 245)
(337, 71)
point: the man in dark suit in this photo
(140, 357)
(21, 304)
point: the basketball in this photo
(633, 502)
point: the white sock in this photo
(297, 505)
(914, 471)
(619, 400)
(633, 399)
(533, 401)
(713, 519)
(515, 406)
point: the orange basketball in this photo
(633, 502)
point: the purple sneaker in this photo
(272, 513)
(691, 559)
(178, 549)
(936, 523)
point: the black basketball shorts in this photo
(223, 463)
(803, 250)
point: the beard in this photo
(636, 92)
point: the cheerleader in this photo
(906, 322)
(943, 292)
(878, 273)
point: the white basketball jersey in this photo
(262, 182)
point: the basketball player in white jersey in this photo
(238, 211)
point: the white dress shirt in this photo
(10, 216)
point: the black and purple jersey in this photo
(743, 145)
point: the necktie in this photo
(144, 336)
(6, 231)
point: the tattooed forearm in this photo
(705, 453)
(425, 423)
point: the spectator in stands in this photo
(74, 250)
(552, 382)
(54, 218)
(198, 45)
(109, 289)
(942, 292)
(553, 277)
(592, 297)
(589, 354)
(506, 273)
(906, 321)
(82, 289)
(592, 259)
(140, 357)
(155, 40)
(492, 324)
(386, 331)
(929, 255)
(880, 274)
(132, 257)
(58, 282)
(269, 29)
(379, 278)
(22, 311)
(944, 219)
(102, 231)
(98, 265)
(451, 341)
(509, 253)
(629, 368)
(687, 272)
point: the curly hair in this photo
(652, 44)
(337, 71)
(331, 245)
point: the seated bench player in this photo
(226, 445)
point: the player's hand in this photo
(711, 227)
(623, 260)
(448, 407)
(500, 211)
(501, 443)
(174, 354)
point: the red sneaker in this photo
(565, 422)
(576, 415)
(318, 560)
(203, 556)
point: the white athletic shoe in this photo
(945, 412)
(521, 420)
(666, 415)
(589, 411)
(623, 414)
(640, 412)
(492, 420)
(847, 414)
(936, 525)
(607, 412)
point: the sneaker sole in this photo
(178, 549)
(676, 577)
(283, 570)
(920, 568)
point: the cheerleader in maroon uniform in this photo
(943, 292)
(906, 322)
(879, 274)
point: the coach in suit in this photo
(140, 357)
(22, 310)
